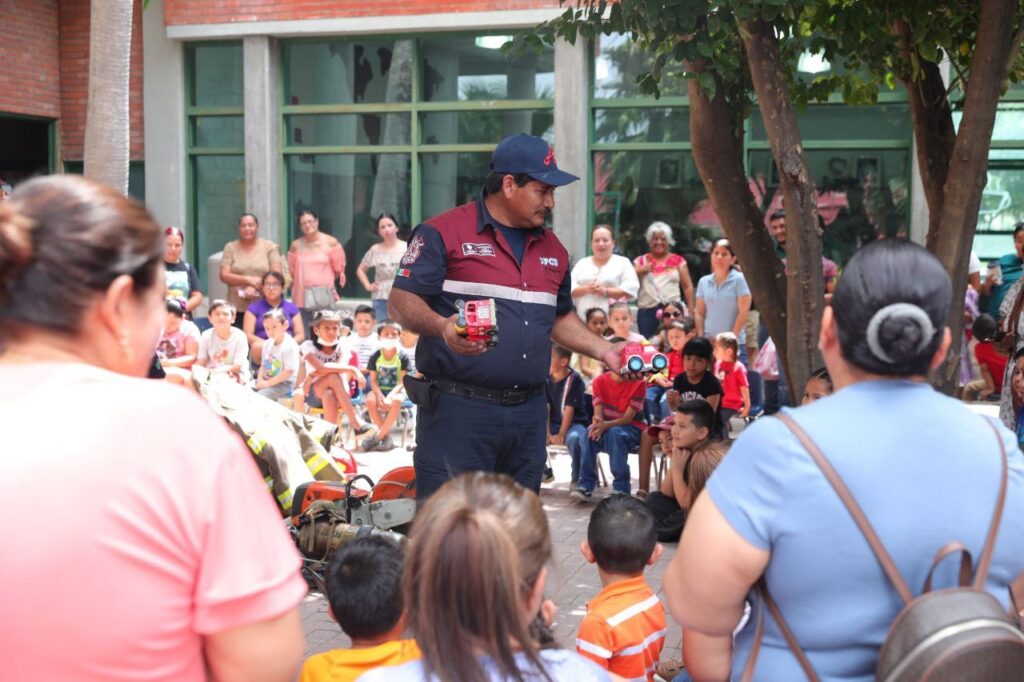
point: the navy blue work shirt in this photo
(461, 255)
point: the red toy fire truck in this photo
(478, 321)
(642, 358)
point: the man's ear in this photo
(588, 553)
(656, 554)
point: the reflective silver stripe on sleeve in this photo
(498, 291)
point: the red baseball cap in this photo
(665, 424)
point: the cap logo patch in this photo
(550, 158)
(477, 250)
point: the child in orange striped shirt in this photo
(624, 629)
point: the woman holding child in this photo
(272, 288)
(882, 336)
(174, 562)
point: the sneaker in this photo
(367, 426)
(385, 444)
(618, 492)
(549, 475)
(580, 494)
(369, 443)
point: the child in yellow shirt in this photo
(364, 588)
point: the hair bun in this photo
(15, 242)
(899, 332)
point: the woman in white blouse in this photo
(603, 277)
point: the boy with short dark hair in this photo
(624, 629)
(364, 342)
(567, 422)
(364, 588)
(615, 430)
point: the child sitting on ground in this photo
(991, 363)
(324, 375)
(279, 362)
(567, 424)
(695, 382)
(624, 629)
(386, 367)
(224, 350)
(819, 385)
(364, 588)
(692, 430)
(620, 321)
(733, 376)
(615, 429)
(178, 346)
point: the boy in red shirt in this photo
(624, 629)
(615, 430)
(991, 363)
(733, 376)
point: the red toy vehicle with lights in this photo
(478, 321)
(642, 358)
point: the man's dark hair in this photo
(985, 327)
(699, 411)
(777, 214)
(561, 351)
(364, 309)
(622, 535)
(492, 183)
(700, 347)
(364, 586)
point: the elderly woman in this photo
(384, 259)
(245, 261)
(174, 562)
(315, 259)
(272, 287)
(180, 277)
(662, 274)
(769, 512)
(603, 277)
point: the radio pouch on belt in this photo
(422, 392)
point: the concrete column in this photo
(572, 90)
(163, 94)
(261, 85)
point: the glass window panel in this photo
(862, 193)
(633, 189)
(484, 127)
(474, 68)
(219, 194)
(218, 131)
(830, 122)
(216, 74)
(641, 125)
(348, 71)
(451, 179)
(347, 129)
(1009, 123)
(618, 63)
(348, 191)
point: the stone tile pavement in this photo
(572, 583)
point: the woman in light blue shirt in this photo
(723, 297)
(923, 467)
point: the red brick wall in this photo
(74, 79)
(29, 70)
(227, 11)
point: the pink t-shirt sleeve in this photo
(337, 256)
(249, 571)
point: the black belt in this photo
(508, 396)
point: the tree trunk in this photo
(934, 133)
(718, 154)
(805, 288)
(106, 123)
(968, 166)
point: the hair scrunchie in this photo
(898, 310)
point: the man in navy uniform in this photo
(484, 409)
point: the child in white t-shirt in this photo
(224, 350)
(365, 341)
(280, 359)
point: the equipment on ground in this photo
(478, 321)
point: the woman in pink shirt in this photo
(153, 550)
(315, 260)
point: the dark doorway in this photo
(24, 148)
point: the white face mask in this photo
(326, 343)
(389, 344)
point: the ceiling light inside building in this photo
(492, 42)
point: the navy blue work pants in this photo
(461, 434)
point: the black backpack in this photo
(944, 635)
